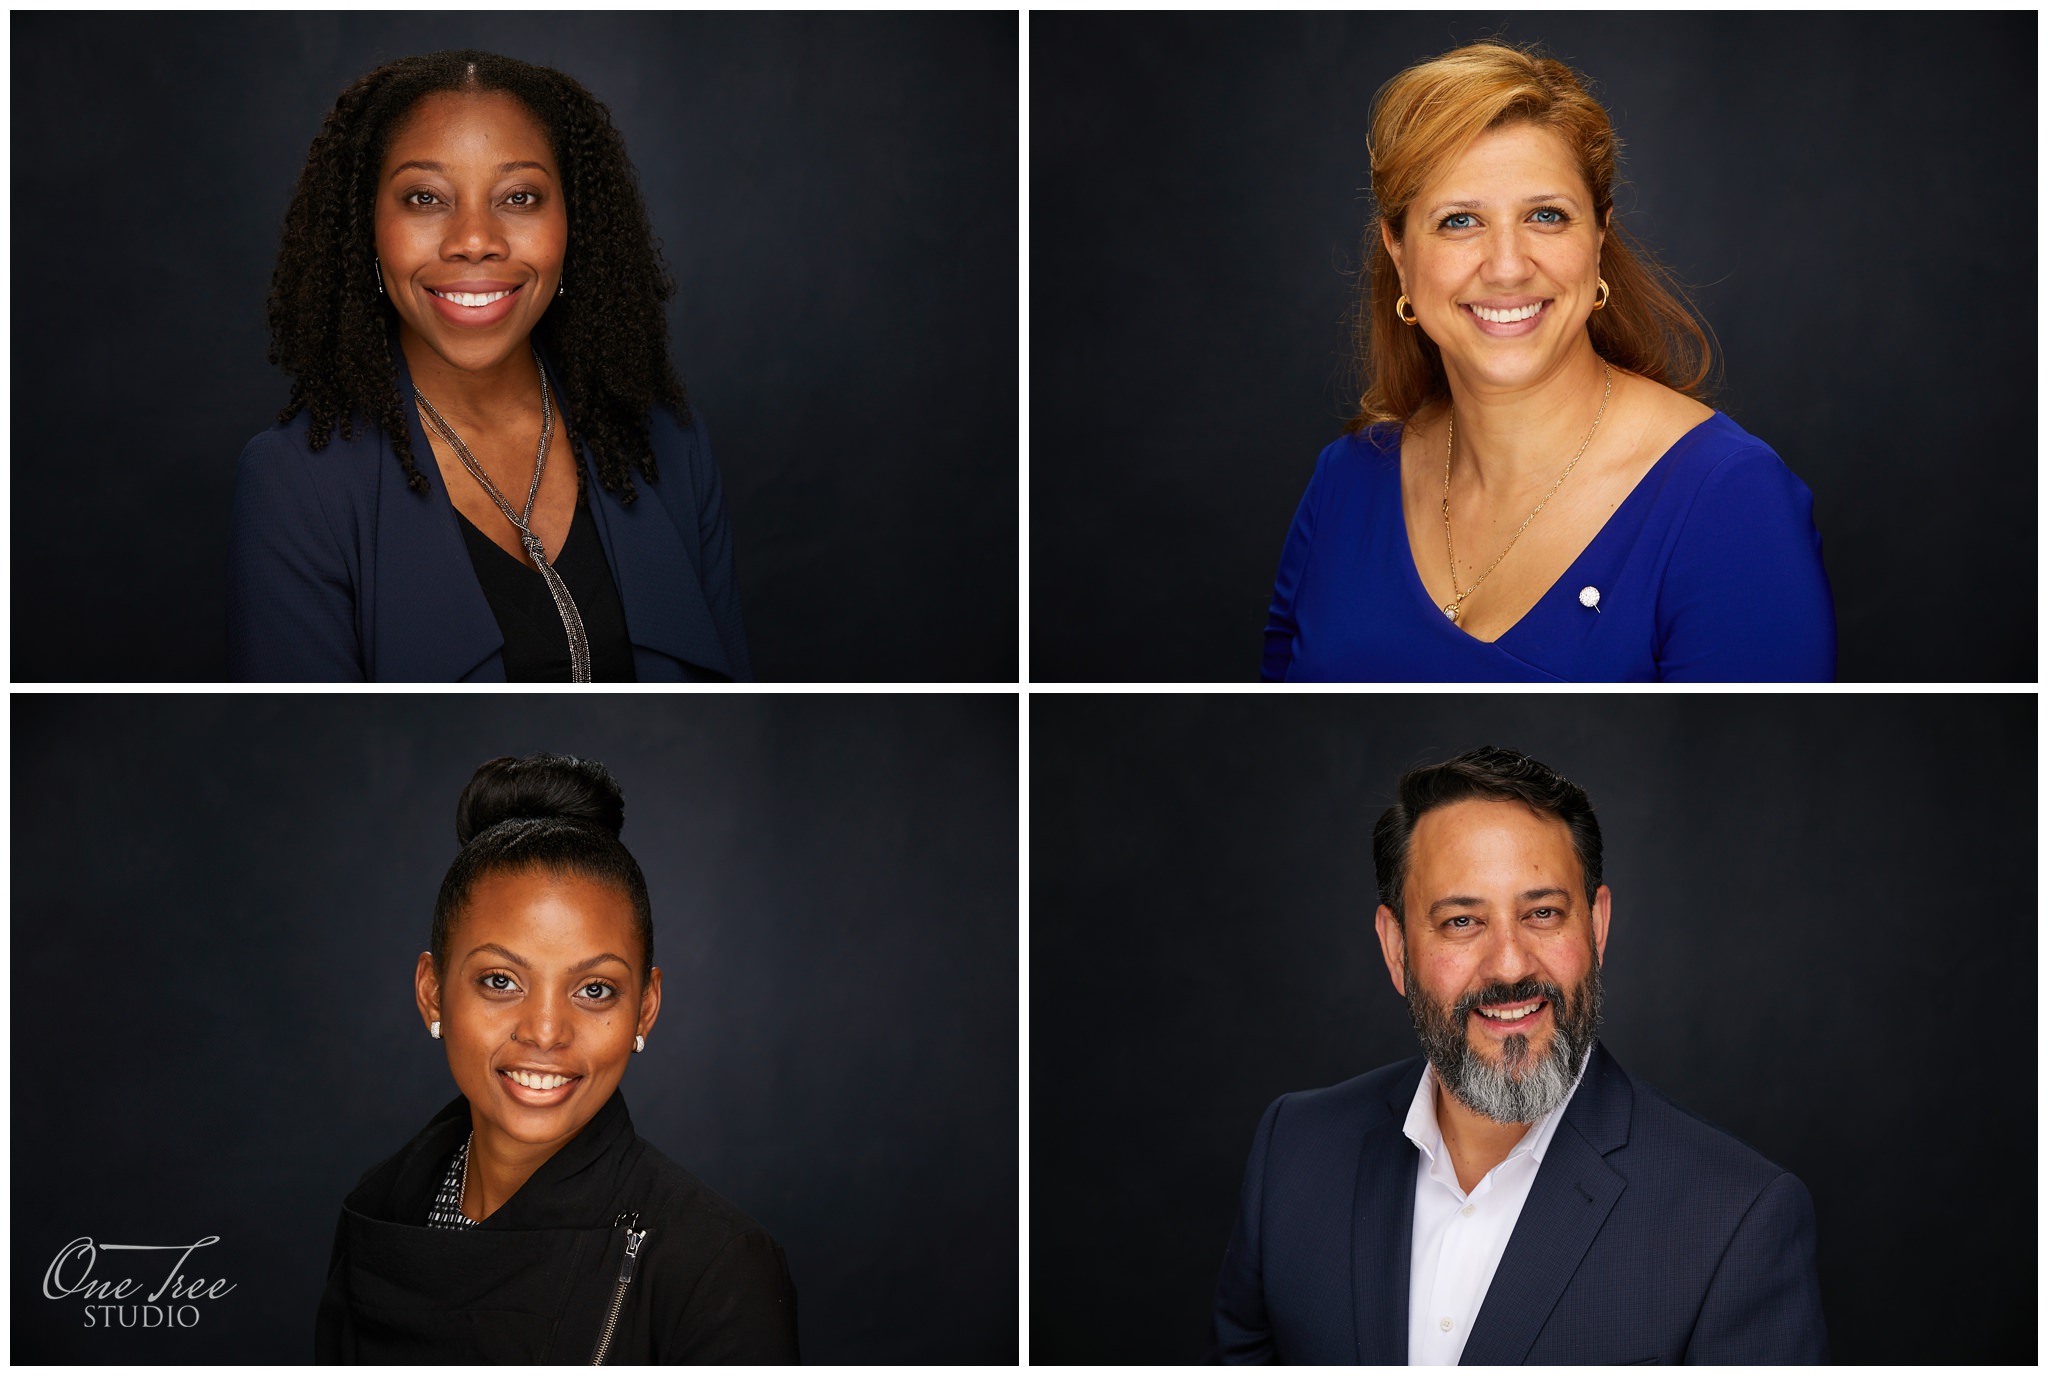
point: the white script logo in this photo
(70, 1273)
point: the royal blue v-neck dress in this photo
(1710, 570)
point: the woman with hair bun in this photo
(1532, 488)
(527, 1222)
(469, 290)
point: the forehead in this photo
(547, 915)
(456, 127)
(1507, 164)
(1487, 848)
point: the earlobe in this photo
(426, 988)
(1393, 945)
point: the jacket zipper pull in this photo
(611, 1322)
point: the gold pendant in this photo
(1451, 610)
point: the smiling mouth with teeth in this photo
(1512, 317)
(1511, 1014)
(530, 1080)
(473, 299)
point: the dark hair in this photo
(1488, 772)
(547, 812)
(607, 337)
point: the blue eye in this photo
(1445, 222)
(1552, 210)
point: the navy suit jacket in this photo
(338, 571)
(1648, 1236)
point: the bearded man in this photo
(1512, 1195)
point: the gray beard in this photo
(1523, 1087)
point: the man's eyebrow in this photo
(522, 962)
(503, 167)
(1467, 901)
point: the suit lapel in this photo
(1382, 1232)
(666, 609)
(648, 547)
(1568, 1204)
(432, 622)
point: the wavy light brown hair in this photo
(1423, 120)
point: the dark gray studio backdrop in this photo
(217, 903)
(837, 199)
(1853, 195)
(1824, 940)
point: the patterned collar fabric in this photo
(446, 1210)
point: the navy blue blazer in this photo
(1648, 1236)
(339, 571)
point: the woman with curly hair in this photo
(1533, 489)
(468, 288)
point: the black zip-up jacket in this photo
(609, 1234)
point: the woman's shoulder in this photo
(1367, 456)
(285, 454)
(1718, 455)
(672, 1198)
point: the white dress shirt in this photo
(1459, 1238)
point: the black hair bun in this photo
(539, 786)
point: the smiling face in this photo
(1500, 258)
(1499, 957)
(471, 228)
(540, 1001)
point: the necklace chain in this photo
(1456, 606)
(565, 605)
(467, 1143)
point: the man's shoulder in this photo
(1358, 1103)
(1667, 1137)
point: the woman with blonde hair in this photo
(1532, 488)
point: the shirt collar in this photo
(1421, 1125)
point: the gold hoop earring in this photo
(1405, 319)
(1600, 302)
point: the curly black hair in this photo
(607, 337)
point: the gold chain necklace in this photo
(1456, 606)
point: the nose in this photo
(1508, 957)
(541, 1020)
(474, 234)
(1506, 261)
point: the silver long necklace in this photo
(572, 620)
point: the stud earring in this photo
(434, 1030)
(639, 1044)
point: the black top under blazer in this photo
(1648, 1236)
(536, 1281)
(338, 571)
